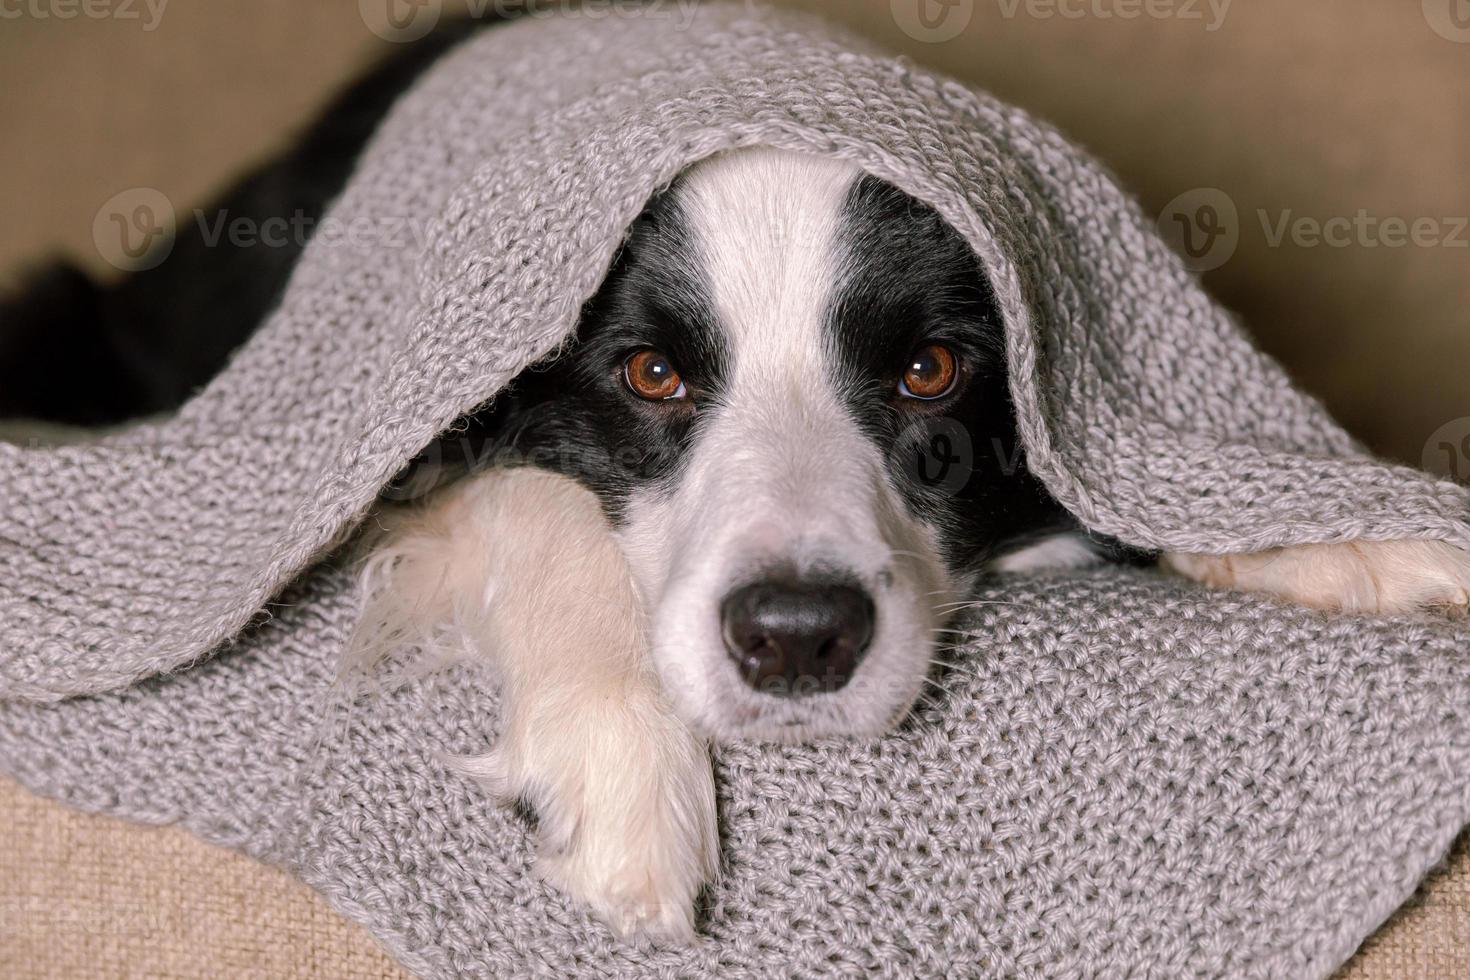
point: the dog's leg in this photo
(523, 565)
(1385, 577)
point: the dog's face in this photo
(791, 395)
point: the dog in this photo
(730, 530)
(730, 520)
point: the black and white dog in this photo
(735, 525)
(745, 540)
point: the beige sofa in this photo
(1318, 109)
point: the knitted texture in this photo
(1125, 775)
(1122, 776)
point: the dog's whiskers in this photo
(927, 702)
(946, 690)
(961, 669)
(970, 604)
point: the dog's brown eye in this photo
(652, 376)
(931, 373)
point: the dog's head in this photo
(791, 395)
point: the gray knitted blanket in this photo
(1122, 775)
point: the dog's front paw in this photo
(626, 875)
(1385, 577)
(625, 807)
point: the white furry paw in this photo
(625, 803)
(1384, 577)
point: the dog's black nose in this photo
(797, 638)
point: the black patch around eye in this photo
(573, 413)
(656, 296)
(908, 279)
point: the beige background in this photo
(1321, 108)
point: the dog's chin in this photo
(795, 729)
(726, 710)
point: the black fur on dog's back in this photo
(77, 351)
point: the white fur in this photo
(519, 568)
(780, 475)
(1058, 552)
(1383, 577)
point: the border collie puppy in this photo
(779, 451)
(780, 447)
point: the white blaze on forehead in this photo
(780, 460)
(768, 225)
